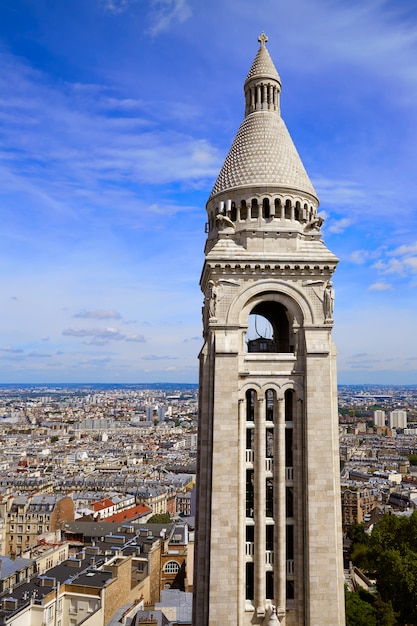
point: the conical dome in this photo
(263, 153)
(262, 66)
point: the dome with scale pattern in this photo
(263, 153)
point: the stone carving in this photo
(222, 221)
(270, 618)
(328, 301)
(210, 303)
(315, 224)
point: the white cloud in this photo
(339, 226)
(165, 13)
(404, 250)
(100, 335)
(154, 357)
(11, 350)
(392, 266)
(359, 257)
(98, 315)
(116, 6)
(380, 286)
(136, 338)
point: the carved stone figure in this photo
(328, 301)
(315, 224)
(222, 221)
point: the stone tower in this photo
(268, 502)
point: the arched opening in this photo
(289, 405)
(277, 208)
(265, 208)
(297, 211)
(233, 212)
(254, 212)
(269, 329)
(287, 210)
(243, 210)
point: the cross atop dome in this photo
(262, 39)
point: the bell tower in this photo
(268, 532)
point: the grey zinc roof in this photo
(263, 154)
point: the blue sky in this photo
(115, 119)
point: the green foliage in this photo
(366, 609)
(413, 459)
(358, 534)
(391, 552)
(159, 518)
(54, 439)
(359, 612)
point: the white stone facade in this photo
(269, 542)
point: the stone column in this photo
(259, 513)
(280, 576)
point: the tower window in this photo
(249, 493)
(289, 502)
(289, 405)
(233, 212)
(254, 212)
(250, 405)
(269, 497)
(265, 208)
(288, 447)
(270, 397)
(249, 581)
(270, 585)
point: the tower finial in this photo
(262, 39)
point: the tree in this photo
(392, 554)
(358, 612)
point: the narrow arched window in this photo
(233, 212)
(289, 405)
(265, 208)
(250, 405)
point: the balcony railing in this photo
(249, 456)
(249, 548)
(289, 474)
(290, 567)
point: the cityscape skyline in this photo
(110, 149)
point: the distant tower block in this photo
(269, 539)
(398, 419)
(379, 418)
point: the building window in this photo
(249, 493)
(270, 397)
(172, 567)
(289, 405)
(250, 405)
(249, 581)
(270, 585)
(269, 497)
